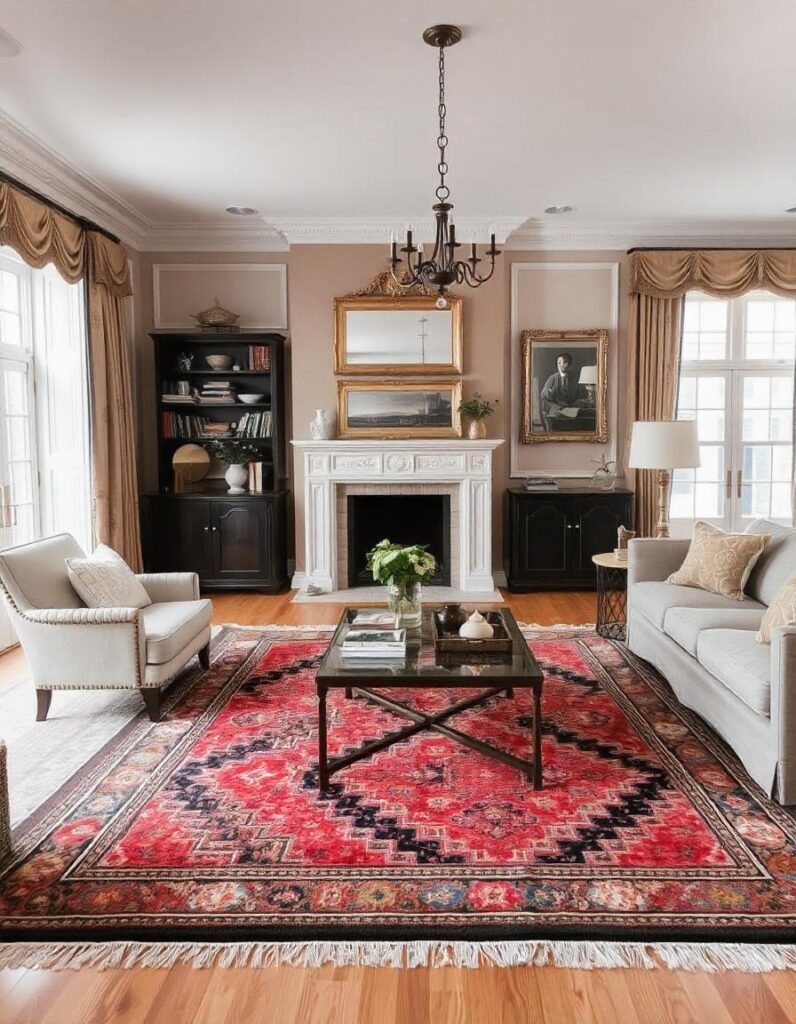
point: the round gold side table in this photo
(611, 595)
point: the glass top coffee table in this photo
(423, 668)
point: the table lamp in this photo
(588, 377)
(664, 445)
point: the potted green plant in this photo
(476, 408)
(402, 570)
(234, 455)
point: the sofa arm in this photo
(170, 586)
(783, 708)
(83, 648)
(654, 558)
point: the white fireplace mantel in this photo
(466, 463)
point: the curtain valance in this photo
(668, 274)
(42, 235)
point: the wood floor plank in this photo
(329, 995)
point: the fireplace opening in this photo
(404, 519)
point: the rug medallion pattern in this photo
(211, 823)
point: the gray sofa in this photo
(705, 646)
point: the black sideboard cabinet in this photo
(552, 535)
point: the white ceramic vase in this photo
(321, 428)
(236, 477)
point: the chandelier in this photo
(442, 267)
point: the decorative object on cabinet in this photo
(477, 408)
(623, 538)
(217, 362)
(408, 335)
(191, 464)
(604, 477)
(555, 405)
(664, 445)
(216, 318)
(553, 536)
(232, 542)
(185, 361)
(396, 409)
(441, 269)
(321, 427)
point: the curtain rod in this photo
(706, 248)
(84, 222)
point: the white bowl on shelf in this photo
(219, 362)
(251, 399)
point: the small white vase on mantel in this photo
(321, 427)
(236, 477)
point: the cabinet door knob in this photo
(207, 528)
(215, 528)
(569, 526)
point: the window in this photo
(736, 381)
(44, 438)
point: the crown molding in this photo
(623, 235)
(251, 236)
(377, 230)
(27, 158)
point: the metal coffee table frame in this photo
(518, 670)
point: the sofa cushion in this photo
(653, 598)
(735, 658)
(781, 611)
(170, 626)
(684, 625)
(719, 562)
(775, 564)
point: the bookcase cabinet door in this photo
(240, 532)
(540, 540)
(179, 536)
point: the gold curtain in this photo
(42, 235)
(722, 272)
(654, 335)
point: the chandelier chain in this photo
(443, 192)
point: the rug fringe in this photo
(681, 956)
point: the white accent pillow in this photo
(105, 580)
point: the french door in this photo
(736, 381)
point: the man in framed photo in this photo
(560, 391)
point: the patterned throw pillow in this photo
(106, 581)
(781, 611)
(720, 562)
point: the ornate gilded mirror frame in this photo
(558, 405)
(384, 295)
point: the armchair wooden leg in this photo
(204, 656)
(43, 698)
(152, 701)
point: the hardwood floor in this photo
(332, 995)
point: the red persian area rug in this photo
(208, 830)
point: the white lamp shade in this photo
(664, 444)
(588, 375)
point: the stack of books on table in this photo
(374, 643)
(541, 483)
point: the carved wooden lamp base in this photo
(662, 522)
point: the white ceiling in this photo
(324, 112)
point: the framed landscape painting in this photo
(564, 386)
(399, 408)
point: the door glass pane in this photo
(705, 322)
(16, 463)
(766, 456)
(700, 493)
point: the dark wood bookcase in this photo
(233, 541)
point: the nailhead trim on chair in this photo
(5, 814)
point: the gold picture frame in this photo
(362, 307)
(564, 386)
(365, 411)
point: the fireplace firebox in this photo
(404, 519)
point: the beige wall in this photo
(318, 273)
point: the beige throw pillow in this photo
(719, 562)
(106, 581)
(781, 611)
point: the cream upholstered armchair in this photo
(71, 647)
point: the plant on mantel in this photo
(477, 409)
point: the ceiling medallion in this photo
(442, 268)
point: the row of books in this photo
(217, 391)
(259, 357)
(255, 424)
(255, 478)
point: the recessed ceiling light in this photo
(559, 209)
(9, 47)
(791, 209)
(242, 211)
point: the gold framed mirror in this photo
(405, 334)
(564, 386)
(399, 408)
